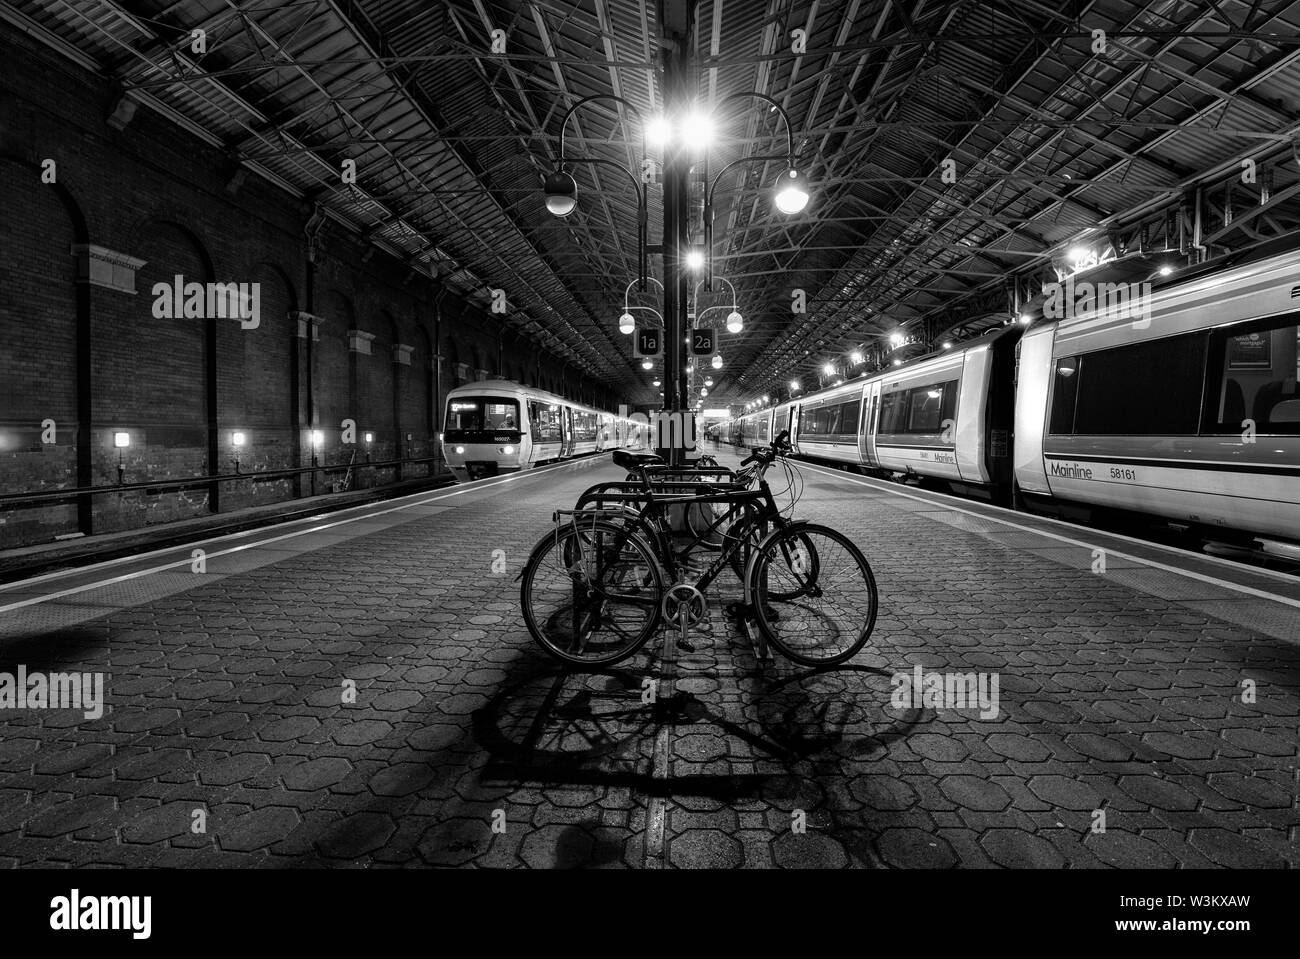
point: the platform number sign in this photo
(702, 341)
(649, 342)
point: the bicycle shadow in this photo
(557, 726)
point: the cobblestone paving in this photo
(370, 697)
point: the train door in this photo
(870, 422)
(566, 427)
(794, 426)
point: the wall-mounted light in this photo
(121, 439)
(237, 441)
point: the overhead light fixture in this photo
(656, 383)
(1166, 270)
(947, 345)
(896, 340)
(317, 437)
(626, 323)
(708, 381)
(735, 322)
(898, 362)
(828, 369)
(658, 132)
(794, 386)
(1025, 319)
(697, 131)
(855, 357)
(561, 193)
(695, 258)
(765, 398)
(791, 192)
(646, 364)
(716, 362)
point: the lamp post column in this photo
(677, 172)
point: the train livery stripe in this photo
(1218, 467)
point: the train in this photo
(1180, 407)
(494, 427)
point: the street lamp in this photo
(627, 322)
(716, 362)
(791, 194)
(561, 188)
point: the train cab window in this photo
(1144, 389)
(1065, 395)
(1254, 369)
(478, 414)
(545, 421)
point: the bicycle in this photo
(593, 592)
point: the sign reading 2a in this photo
(649, 342)
(702, 340)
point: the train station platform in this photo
(358, 689)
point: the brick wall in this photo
(96, 360)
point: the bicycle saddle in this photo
(631, 461)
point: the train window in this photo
(1145, 389)
(922, 409)
(782, 420)
(584, 426)
(545, 422)
(478, 413)
(1065, 395)
(1254, 369)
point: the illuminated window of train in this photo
(921, 409)
(545, 422)
(481, 413)
(1254, 369)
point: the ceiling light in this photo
(658, 132)
(855, 357)
(626, 323)
(716, 363)
(646, 364)
(794, 386)
(697, 131)
(1166, 270)
(695, 258)
(828, 369)
(735, 322)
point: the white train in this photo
(499, 426)
(1186, 410)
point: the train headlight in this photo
(507, 450)
(460, 451)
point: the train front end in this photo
(482, 436)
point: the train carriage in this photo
(500, 426)
(1187, 409)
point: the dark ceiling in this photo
(1057, 141)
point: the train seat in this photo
(1275, 402)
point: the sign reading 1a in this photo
(649, 342)
(702, 340)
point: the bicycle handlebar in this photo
(766, 454)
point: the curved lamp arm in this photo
(709, 280)
(636, 184)
(629, 288)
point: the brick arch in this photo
(45, 371)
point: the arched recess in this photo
(45, 372)
(159, 377)
(258, 388)
(333, 383)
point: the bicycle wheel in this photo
(813, 594)
(591, 594)
(701, 516)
